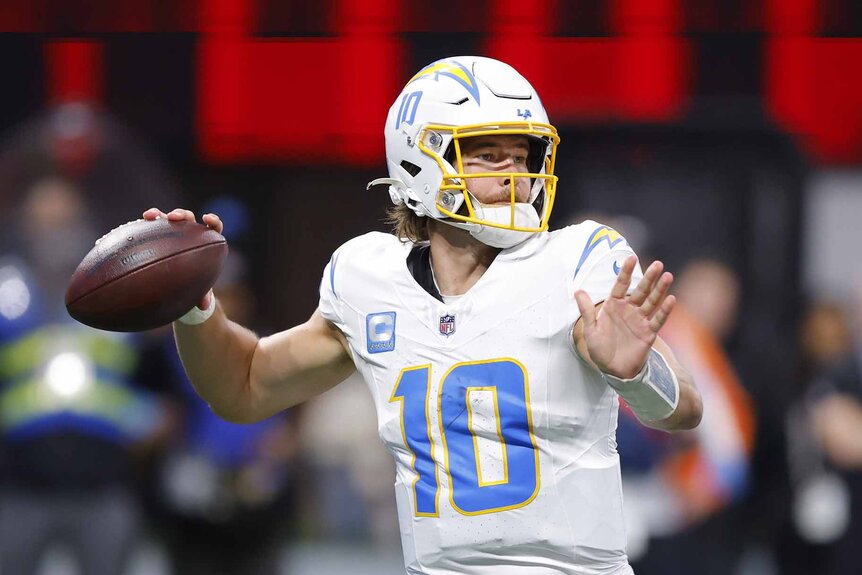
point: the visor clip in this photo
(435, 140)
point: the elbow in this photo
(233, 415)
(687, 416)
(692, 414)
(242, 407)
(235, 412)
(697, 410)
(695, 415)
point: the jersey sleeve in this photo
(600, 259)
(330, 305)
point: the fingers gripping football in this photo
(180, 214)
(620, 333)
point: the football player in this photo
(496, 351)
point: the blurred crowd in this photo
(106, 449)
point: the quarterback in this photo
(496, 351)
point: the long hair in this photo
(407, 224)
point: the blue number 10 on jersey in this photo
(503, 384)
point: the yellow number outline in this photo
(400, 400)
(529, 429)
(482, 482)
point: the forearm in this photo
(662, 395)
(245, 378)
(689, 410)
(217, 356)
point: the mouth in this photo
(506, 201)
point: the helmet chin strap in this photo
(525, 217)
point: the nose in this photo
(521, 187)
(507, 166)
(506, 182)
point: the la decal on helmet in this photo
(447, 102)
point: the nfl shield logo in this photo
(447, 324)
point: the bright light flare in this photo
(14, 294)
(67, 375)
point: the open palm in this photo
(620, 332)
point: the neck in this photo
(458, 259)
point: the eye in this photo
(520, 160)
(487, 157)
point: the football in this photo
(145, 274)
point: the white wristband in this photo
(196, 315)
(653, 394)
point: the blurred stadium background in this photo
(722, 136)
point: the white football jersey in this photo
(504, 440)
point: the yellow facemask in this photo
(430, 141)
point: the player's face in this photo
(504, 154)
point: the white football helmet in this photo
(463, 97)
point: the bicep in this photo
(295, 365)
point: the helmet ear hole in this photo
(410, 168)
